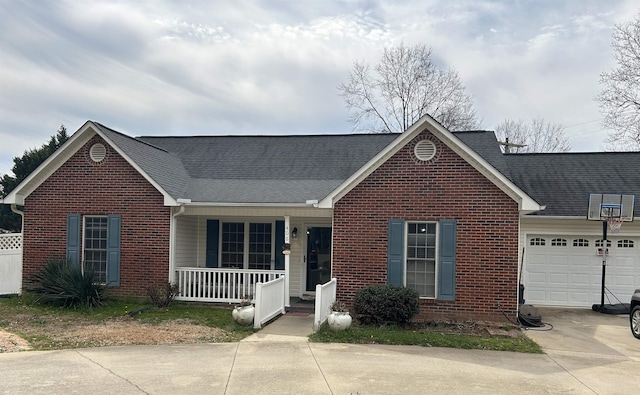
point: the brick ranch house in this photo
(425, 208)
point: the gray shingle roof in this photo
(263, 169)
(293, 169)
(563, 181)
(485, 144)
(162, 166)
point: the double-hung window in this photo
(241, 249)
(421, 258)
(422, 255)
(93, 243)
(94, 252)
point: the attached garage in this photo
(566, 270)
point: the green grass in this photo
(426, 337)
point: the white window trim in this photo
(83, 238)
(245, 251)
(436, 259)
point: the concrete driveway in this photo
(597, 349)
(587, 354)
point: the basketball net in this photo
(615, 223)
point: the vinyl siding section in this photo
(187, 241)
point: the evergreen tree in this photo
(22, 167)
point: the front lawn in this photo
(456, 335)
(117, 323)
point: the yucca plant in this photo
(61, 283)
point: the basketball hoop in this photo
(615, 223)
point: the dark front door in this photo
(318, 256)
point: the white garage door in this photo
(567, 271)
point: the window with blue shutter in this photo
(73, 238)
(447, 260)
(395, 252)
(279, 242)
(412, 261)
(113, 250)
(213, 238)
(98, 251)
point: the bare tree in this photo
(538, 136)
(620, 96)
(401, 88)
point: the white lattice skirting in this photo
(11, 241)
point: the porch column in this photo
(287, 302)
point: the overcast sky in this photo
(163, 67)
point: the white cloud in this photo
(156, 67)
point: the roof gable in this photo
(130, 149)
(525, 202)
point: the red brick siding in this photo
(446, 188)
(111, 187)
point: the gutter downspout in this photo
(172, 240)
(14, 208)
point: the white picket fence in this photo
(325, 296)
(10, 263)
(270, 301)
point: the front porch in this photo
(219, 254)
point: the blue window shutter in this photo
(113, 250)
(73, 239)
(395, 253)
(213, 238)
(279, 240)
(447, 260)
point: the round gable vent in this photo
(424, 150)
(98, 152)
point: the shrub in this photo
(61, 283)
(162, 296)
(386, 304)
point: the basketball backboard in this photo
(603, 206)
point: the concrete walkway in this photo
(291, 327)
(277, 361)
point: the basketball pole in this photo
(604, 261)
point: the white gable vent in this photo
(98, 152)
(424, 150)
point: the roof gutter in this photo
(221, 204)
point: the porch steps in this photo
(301, 307)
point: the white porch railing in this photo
(269, 301)
(203, 284)
(325, 296)
(10, 263)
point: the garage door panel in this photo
(558, 297)
(624, 262)
(622, 281)
(571, 275)
(580, 279)
(558, 260)
(537, 278)
(536, 259)
(580, 261)
(581, 297)
(558, 278)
